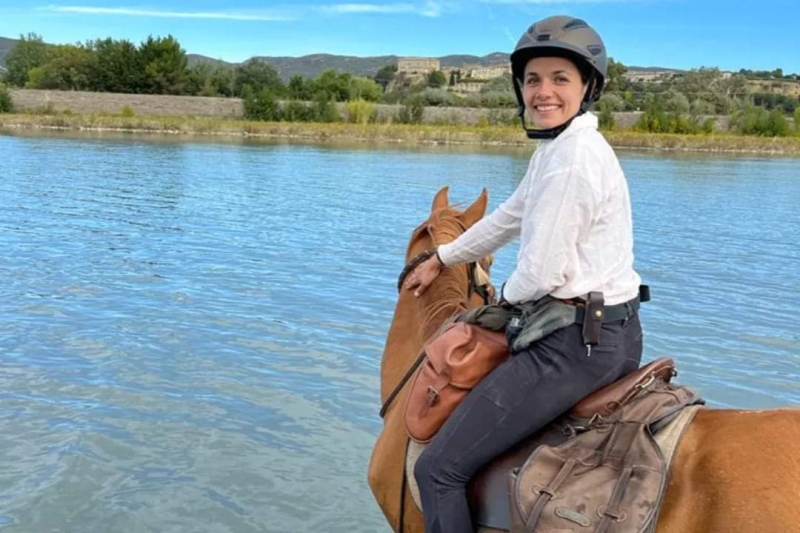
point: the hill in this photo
(5, 46)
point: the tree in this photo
(336, 85)
(30, 52)
(298, 89)
(6, 104)
(615, 76)
(117, 68)
(163, 64)
(364, 89)
(436, 79)
(259, 75)
(199, 80)
(385, 75)
(224, 80)
(67, 68)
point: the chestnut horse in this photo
(734, 471)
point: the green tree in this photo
(385, 75)
(6, 103)
(335, 85)
(615, 76)
(68, 68)
(796, 118)
(364, 89)
(259, 75)
(224, 80)
(116, 68)
(500, 84)
(163, 63)
(260, 106)
(412, 111)
(199, 80)
(436, 79)
(30, 52)
(299, 89)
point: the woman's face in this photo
(552, 90)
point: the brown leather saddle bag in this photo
(455, 361)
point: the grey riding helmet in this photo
(562, 36)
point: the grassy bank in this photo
(383, 133)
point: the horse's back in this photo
(736, 471)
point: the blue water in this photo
(190, 333)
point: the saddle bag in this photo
(455, 361)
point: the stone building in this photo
(489, 72)
(416, 66)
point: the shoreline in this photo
(424, 134)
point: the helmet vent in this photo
(543, 37)
(595, 49)
(575, 23)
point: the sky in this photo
(680, 34)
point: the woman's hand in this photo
(422, 276)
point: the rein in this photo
(481, 289)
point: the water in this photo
(190, 334)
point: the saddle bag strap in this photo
(612, 510)
(547, 493)
(401, 384)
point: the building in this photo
(417, 66)
(489, 72)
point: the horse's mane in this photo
(450, 293)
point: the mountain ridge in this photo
(311, 65)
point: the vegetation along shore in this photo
(110, 85)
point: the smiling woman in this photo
(572, 214)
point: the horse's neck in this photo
(411, 327)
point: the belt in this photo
(612, 313)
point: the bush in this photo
(502, 117)
(361, 112)
(6, 103)
(263, 106)
(294, 111)
(437, 97)
(797, 120)
(412, 112)
(754, 120)
(127, 112)
(325, 109)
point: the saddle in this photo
(597, 467)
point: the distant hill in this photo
(5, 46)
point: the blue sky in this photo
(669, 33)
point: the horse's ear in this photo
(476, 211)
(440, 201)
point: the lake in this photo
(191, 332)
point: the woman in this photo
(572, 214)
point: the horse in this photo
(734, 470)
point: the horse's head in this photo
(459, 287)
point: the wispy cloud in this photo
(550, 2)
(132, 12)
(428, 9)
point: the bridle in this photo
(475, 286)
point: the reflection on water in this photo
(191, 332)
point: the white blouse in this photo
(572, 213)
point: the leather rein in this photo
(482, 289)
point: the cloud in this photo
(132, 12)
(428, 9)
